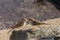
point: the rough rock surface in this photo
(30, 32)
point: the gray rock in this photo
(11, 11)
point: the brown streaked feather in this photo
(35, 22)
(19, 24)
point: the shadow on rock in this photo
(18, 35)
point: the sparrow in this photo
(35, 22)
(21, 23)
(24, 21)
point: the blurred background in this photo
(11, 11)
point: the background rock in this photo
(11, 11)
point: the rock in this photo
(31, 32)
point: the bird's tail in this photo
(9, 30)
